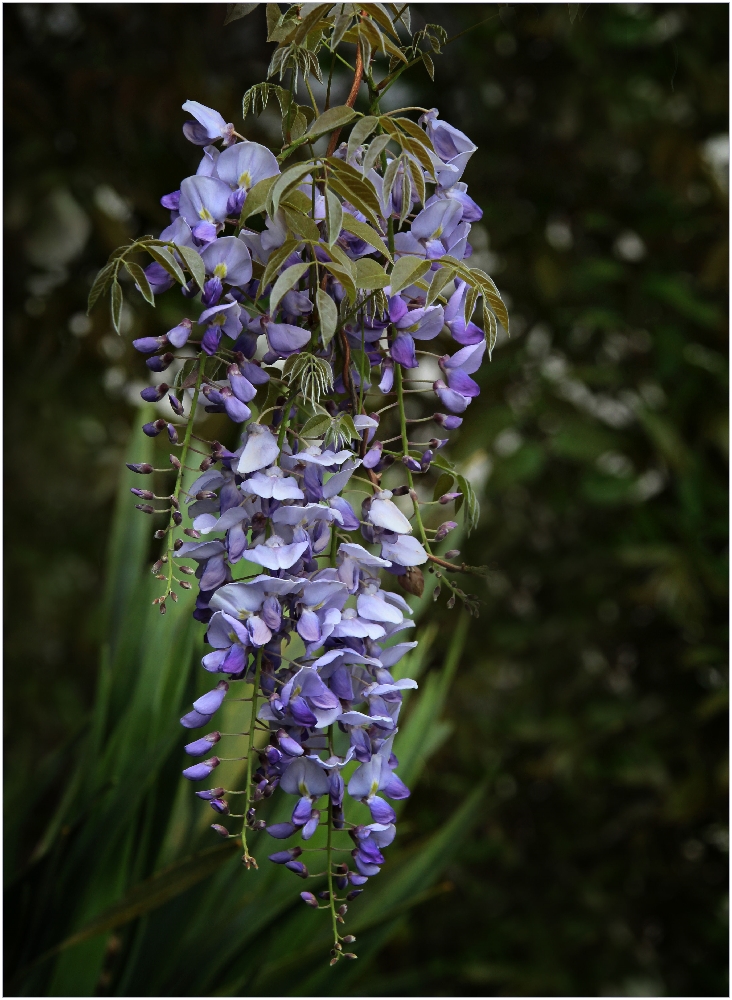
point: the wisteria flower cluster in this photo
(315, 290)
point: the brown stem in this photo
(351, 99)
(462, 568)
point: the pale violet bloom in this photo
(404, 551)
(242, 166)
(209, 125)
(452, 146)
(285, 340)
(260, 450)
(276, 554)
(273, 485)
(203, 202)
(384, 513)
(228, 260)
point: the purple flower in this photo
(208, 125)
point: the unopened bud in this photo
(400, 491)
(160, 533)
(221, 830)
(411, 463)
(173, 434)
(145, 508)
(174, 500)
(154, 393)
(175, 404)
(349, 954)
(174, 461)
(349, 938)
(177, 517)
(187, 570)
(444, 529)
(160, 362)
(436, 592)
(307, 897)
(452, 553)
(205, 495)
(185, 584)
(142, 468)
(143, 494)
(206, 464)
(451, 602)
(342, 910)
(352, 895)
(191, 532)
(413, 496)
(177, 544)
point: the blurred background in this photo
(591, 694)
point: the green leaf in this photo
(298, 125)
(441, 278)
(366, 233)
(330, 120)
(165, 257)
(361, 131)
(370, 275)
(328, 313)
(472, 507)
(374, 151)
(192, 260)
(345, 277)
(153, 892)
(360, 186)
(257, 198)
(406, 271)
(284, 283)
(333, 216)
(138, 276)
(317, 426)
(116, 304)
(428, 65)
(101, 283)
(275, 262)
(291, 178)
(236, 10)
(443, 485)
(443, 463)
(302, 224)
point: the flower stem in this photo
(178, 488)
(248, 860)
(329, 850)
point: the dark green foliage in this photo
(591, 697)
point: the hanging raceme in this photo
(315, 289)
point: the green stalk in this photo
(329, 854)
(178, 488)
(248, 860)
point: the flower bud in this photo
(452, 553)
(448, 421)
(307, 897)
(154, 393)
(197, 772)
(411, 463)
(451, 602)
(142, 469)
(177, 517)
(447, 497)
(145, 508)
(152, 430)
(173, 434)
(351, 896)
(444, 529)
(191, 532)
(206, 464)
(147, 345)
(221, 830)
(203, 745)
(143, 494)
(176, 404)
(210, 793)
(220, 806)
(174, 461)
(160, 533)
(282, 857)
(160, 362)
(298, 868)
(400, 491)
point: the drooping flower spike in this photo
(313, 289)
